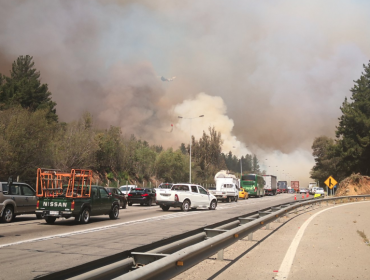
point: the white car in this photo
(320, 191)
(127, 188)
(185, 196)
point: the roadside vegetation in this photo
(349, 152)
(31, 136)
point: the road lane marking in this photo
(63, 235)
(287, 263)
(160, 218)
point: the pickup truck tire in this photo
(185, 206)
(236, 199)
(129, 204)
(229, 199)
(124, 205)
(39, 216)
(165, 208)
(213, 205)
(113, 215)
(85, 216)
(50, 220)
(8, 214)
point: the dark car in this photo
(119, 195)
(165, 185)
(141, 196)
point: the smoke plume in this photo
(270, 76)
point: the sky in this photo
(269, 75)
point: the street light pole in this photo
(201, 116)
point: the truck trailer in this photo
(295, 186)
(270, 184)
(283, 186)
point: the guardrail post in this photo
(220, 255)
(250, 236)
(267, 226)
(327, 203)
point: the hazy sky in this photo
(270, 75)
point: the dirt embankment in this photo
(355, 184)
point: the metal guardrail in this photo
(172, 259)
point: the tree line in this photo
(349, 152)
(31, 136)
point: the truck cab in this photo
(227, 187)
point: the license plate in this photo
(54, 212)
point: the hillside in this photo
(355, 184)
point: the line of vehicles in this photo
(72, 195)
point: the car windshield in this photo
(125, 189)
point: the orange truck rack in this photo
(54, 183)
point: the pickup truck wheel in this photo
(185, 205)
(39, 216)
(50, 220)
(229, 199)
(8, 214)
(85, 216)
(129, 204)
(236, 199)
(213, 205)
(114, 213)
(165, 208)
(124, 205)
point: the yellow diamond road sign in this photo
(330, 182)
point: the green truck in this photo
(78, 199)
(99, 203)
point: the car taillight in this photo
(129, 194)
(37, 204)
(145, 194)
(176, 197)
(73, 205)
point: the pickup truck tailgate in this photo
(164, 194)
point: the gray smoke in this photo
(275, 72)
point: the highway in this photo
(31, 248)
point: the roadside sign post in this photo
(330, 182)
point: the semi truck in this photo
(270, 184)
(227, 186)
(295, 186)
(283, 186)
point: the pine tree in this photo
(353, 131)
(24, 88)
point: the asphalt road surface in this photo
(31, 248)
